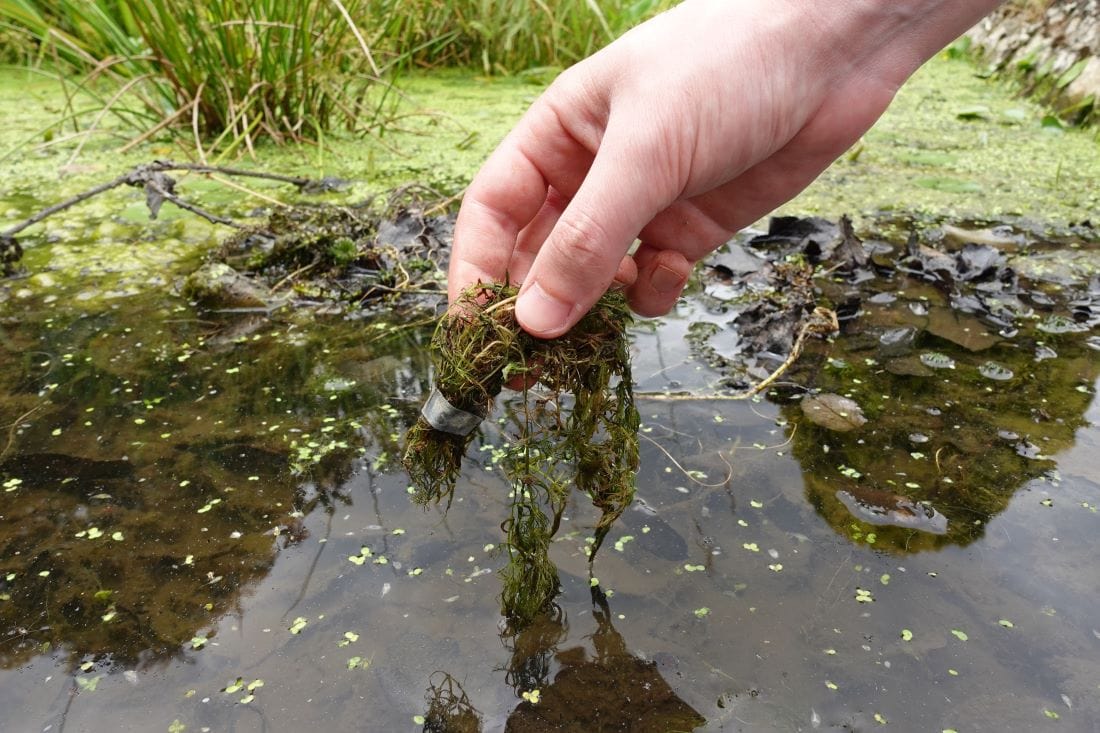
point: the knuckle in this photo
(582, 240)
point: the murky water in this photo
(204, 526)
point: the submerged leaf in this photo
(833, 412)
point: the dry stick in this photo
(51, 210)
(212, 218)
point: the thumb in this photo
(579, 258)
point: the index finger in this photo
(510, 189)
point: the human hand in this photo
(688, 128)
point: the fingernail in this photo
(665, 280)
(540, 313)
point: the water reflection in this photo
(944, 449)
(959, 371)
(570, 690)
(156, 464)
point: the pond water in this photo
(204, 525)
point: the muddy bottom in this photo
(204, 525)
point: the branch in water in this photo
(158, 187)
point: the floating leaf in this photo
(88, 684)
(906, 635)
(993, 370)
(937, 360)
(960, 635)
(1061, 324)
(298, 625)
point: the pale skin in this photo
(685, 130)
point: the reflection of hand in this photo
(683, 131)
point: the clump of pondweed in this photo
(478, 347)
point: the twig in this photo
(685, 471)
(15, 426)
(150, 177)
(67, 203)
(169, 196)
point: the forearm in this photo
(890, 39)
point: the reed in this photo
(224, 70)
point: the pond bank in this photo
(1053, 53)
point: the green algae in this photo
(922, 156)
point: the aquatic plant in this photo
(227, 73)
(580, 429)
(504, 36)
(233, 70)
